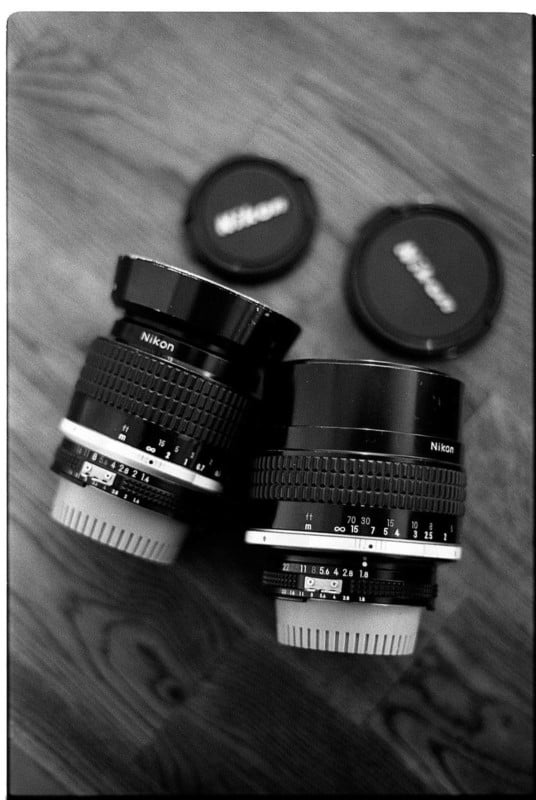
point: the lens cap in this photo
(424, 279)
(250, 218)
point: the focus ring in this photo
(356, 481)
(165, 394)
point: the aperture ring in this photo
(87, 467)
(71, 459)
(353, 481)
(355, 588)
(168, 395)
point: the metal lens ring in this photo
(142, 485)
(349, 579)
(161, 407)
(360, 526)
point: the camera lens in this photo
(358, 489)
(161, 407)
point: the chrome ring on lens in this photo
(162, 408)
(358, 490)
(130, 456)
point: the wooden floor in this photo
(128, 678)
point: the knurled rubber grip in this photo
(168, 395)
(357, 481)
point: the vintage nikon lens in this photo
(357, 490)
(162, 407)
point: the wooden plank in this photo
(30, 779)
(129, 678)
(462, 714)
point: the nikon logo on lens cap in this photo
(250, 218)
(424, 279)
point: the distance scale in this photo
(149, 441)
(372, 530)
(375, 523)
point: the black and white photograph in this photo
(269, 460)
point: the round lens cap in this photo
(250, 218)
(424, 279)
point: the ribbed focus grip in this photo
(162, 393)
(352, 481)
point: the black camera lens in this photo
(161, 408)
(358, 489)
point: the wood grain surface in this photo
(129, 678)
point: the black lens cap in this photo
(250, 218)
(424, 279)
